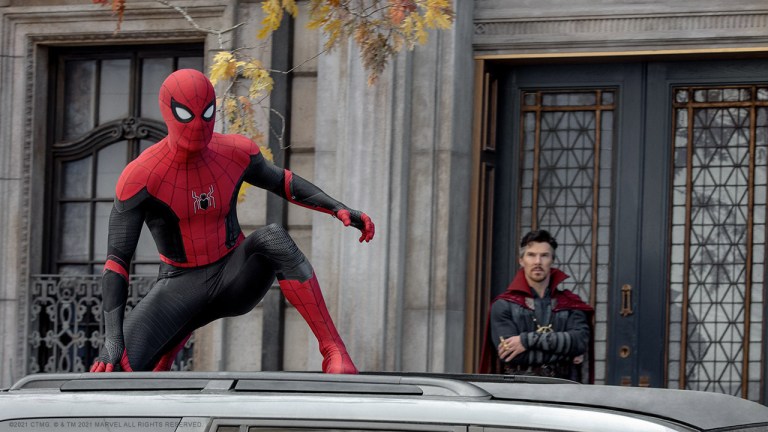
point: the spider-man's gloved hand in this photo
(111, 355)
(299, 191)
(358, 220)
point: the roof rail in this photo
(527, 379)
(279, 382)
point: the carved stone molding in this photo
(121, 37)
(635, 31)
(634, 24)
(88, 13)
(118, 130)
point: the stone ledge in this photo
(621, 32)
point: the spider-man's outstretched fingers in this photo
(358, 220)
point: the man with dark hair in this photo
(536, 327)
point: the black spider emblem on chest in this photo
(204, 200)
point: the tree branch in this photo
(194, 24)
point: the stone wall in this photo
(596, 26)
(398, 150)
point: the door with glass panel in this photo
(652, 177)
(104, 112)
(561, 158)
(713, 120)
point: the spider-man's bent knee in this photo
(274, 243)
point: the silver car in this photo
(297, 401)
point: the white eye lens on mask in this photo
(208, 114)
(181, 113)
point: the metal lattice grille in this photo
(566, 189)
(718, 240)
(68, 331)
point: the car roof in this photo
(702, 410)
(699, 410)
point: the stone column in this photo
(400, 151)
(13, 163)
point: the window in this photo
(718, 239)
(104, 112)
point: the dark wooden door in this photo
(652, 176)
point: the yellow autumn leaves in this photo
(238, 111)
(381, 28)
(437, 14)
(226, 67)
(273, 14)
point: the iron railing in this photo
(66, 330)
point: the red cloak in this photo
(517, 292)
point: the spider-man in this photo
(185, 189)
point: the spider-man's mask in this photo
(188, 105)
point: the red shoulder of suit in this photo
(236, 147)
(139, 172)
(155, 166)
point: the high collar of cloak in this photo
(519, 284)
(518, 291)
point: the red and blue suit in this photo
(185, 189)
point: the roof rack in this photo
(264, 382)
(497, 378)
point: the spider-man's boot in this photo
(166, 361)
(308, 300)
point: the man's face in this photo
(537, 261)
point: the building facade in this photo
(634, 131)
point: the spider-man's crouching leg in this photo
(299, 285)
(308, 300)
